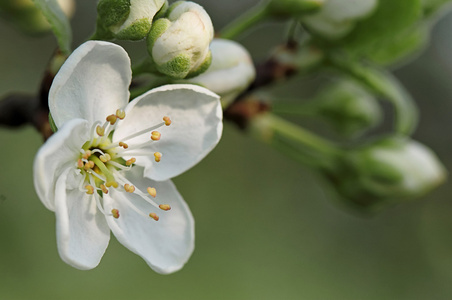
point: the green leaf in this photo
(433, 6)
(405, 45)
(383, 84)
(59, 23)
(378, 35)
(52, 124)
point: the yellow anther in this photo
(112, 119)
(80, 163)
(120, 114)
(154, 216)
(157, 156)
(129, 188)
(104, 189)
(124, 145)
(115, 213)
(164, 207)
(167, 120)
(111, 183)
(89, 189)
(100, 130)
(89, 165)
(104, 158)
(152, 191)
(130, 161)
(155, 135)
(86, 154)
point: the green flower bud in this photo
(387, 172)
(126, 19)
(293, 8)
(338, 17)
(29, 18)
(230, 73)
(179, 44)
(348, 107)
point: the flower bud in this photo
(386, 172)
(348, 107)
(293, 8)
(337, 17)
(126, 19)
(28, 17)
(179, 44)
(230, 73)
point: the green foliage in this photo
(58, 21)
(52, 123)
(433, 6)
(294, 8)
(405, 44)
(383, 84)
(379, 34)
(350, 108)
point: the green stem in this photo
(294, 141)
(387, 86)
(302, 136)
(245, 21)
(307, 109)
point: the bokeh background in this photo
(266, 228)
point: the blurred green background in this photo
(266, 228)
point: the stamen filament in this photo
(98, 151)
(119, 166)
(81, 183)
(96, 197)
(122, 180)
(147, 130)
(131, 205)
(99, 204)
(133, 147)
(97, 175)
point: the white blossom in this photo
(108, 166)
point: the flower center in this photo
(101, 164)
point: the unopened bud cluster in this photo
(178, 43)
(386, 172)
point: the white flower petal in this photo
(82, 232)
(92, 83)
(195, 129)
(165, 245)
(61, 149)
